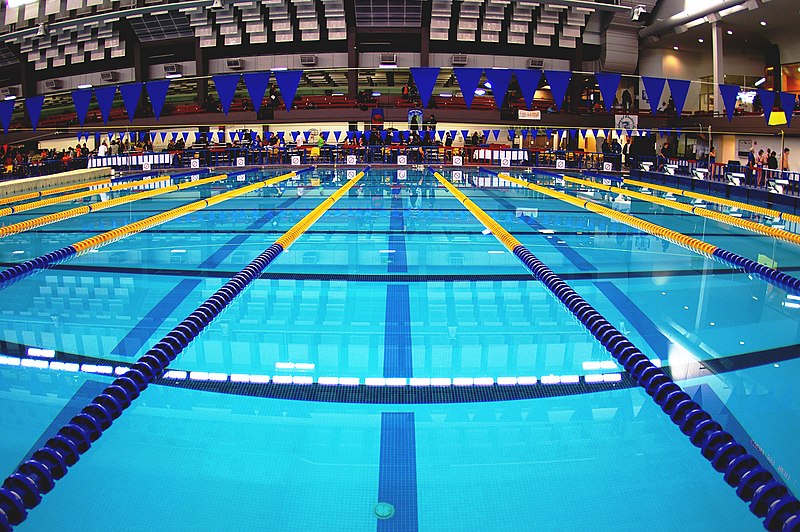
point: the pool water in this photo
(418, 363)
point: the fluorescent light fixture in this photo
(729, 32)
(480, 92)
(17, 3)
(763, 23)
(10, 97)
(488, 85)
(701, 40)
(674, 47)
(337, 94)
(17, 252)
(85, 86)
(386, 65)
(760, 82)
(279, 68)
(173, 76)
(446, 94)
(376, 94)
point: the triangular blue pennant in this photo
(326, 134)
(254, 135)
(406, 135)
(440, 134)
(383, 135)
(157, 91)
(288, 81)
(256, 83)
(680, 90)
(528, 83)
(619, 133)
(281, 135)
(729, 94)
(366, 136)
(351, 135)
(534, 133)
(787, 104)
(499, 78)
(559, 83)
(81, 98)
(453, 133)
(425, 79)
(174, 136)
(767, 102)
(465, 135)
(357, 135)
(654, 87)
(221, 136)
(226, 88)
(142, 135)
(153, 137)
(131, 93)
(197, 137)
(105, 99)
(548, 132)
(110, 136)
(496, 133)
(486, 133)
(185, 136)
(34, 106)
(608, 83)
(396, 136)
(512, 134)
(163, 136)
(468, 79)
(524, 134)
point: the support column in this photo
(352, 64)
(201, 66)
(717, 66)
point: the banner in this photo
(81, 98)
(679, 89)
(653, 88)
(529, 115)
(226, 89)
(105, 99)
(6, 110)
(608, 83)
(425, 79)
(559, 83)
(729, 94)
(787, 104)
(376, 118)
(626, 122)
(157, 91)
(499, 78)
(34, 106)
(131, 93)
(414, 119)
(767, 102)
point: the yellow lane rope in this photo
(632, 221)
(78, 195)
(99, 206)
(747, 225)
(152, 221)
(52, 191)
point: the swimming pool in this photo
(396, 367)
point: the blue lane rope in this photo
(769, 498)
(36, 476)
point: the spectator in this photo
(785, 161)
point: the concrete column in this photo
(717, 65)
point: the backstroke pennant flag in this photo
(654, 88)
(608, 83)
(288, 81)
(729, 94)
(105, 99)
(468, 79)
(767, 102)
(6, 110)
(787, 104)
(256, 83)
(157, 91)
(34, 106)
(131, 93)
(680, 90)
(81, 98)
(425, 78)
(499, 78)
(559, 83)
(528, 83)
(226, 88)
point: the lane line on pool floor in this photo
(23, 489)
(144, 329)
(769, 498)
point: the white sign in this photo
(146, 167)
(559, 181)
(295, 160)
(194, 163)
(240, 161)
(607, 182)
(352, 159)
(402, 160)
(401, 174)
(351, 174)
(458, 160)
(626, 122)
(240, 177)
(524, 114)
(195, 177)
(505, 162)
(607, 167)
(561, 164)
(457, 176)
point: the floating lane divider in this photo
(25, 269)
(747, 225)
(772, 276)
(711, 199)
(769, 499)
(5, 211)
(23, 490)
(53, 191)
(99, 206)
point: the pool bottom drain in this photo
(383, 510)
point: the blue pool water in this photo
(419, 363)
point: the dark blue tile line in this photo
(638, 319)
(397, 240)
(712, 403)
(222, 253)
(397, 361)
(88, 391)
(570, 254)
(143, 330)
(397, 476)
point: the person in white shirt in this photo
(102, 150)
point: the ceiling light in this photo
(376, 94)
(674, 47)
(759, 82)
(700, 40)
(85, 86)
(41, 31)
(480, 92)
(8, 98)
(173, 76)
(446, 94)
(386, 65)
(763, 23)
(729, 32)
(488, 85)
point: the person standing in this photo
(785, 161)
(626, 101)
(626, 153)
